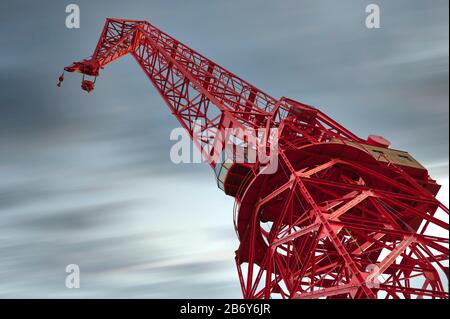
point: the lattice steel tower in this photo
(340, 217)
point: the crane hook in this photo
(60, 79)
(87, 85)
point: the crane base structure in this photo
(337, 217)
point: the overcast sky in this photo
(87, 179)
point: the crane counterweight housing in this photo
(339, 217)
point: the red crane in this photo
(338, 217)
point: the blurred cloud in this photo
(88, 180)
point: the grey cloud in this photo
(80, 218)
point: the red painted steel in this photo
(342, 217)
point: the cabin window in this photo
(378, 154)
(405, 158)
